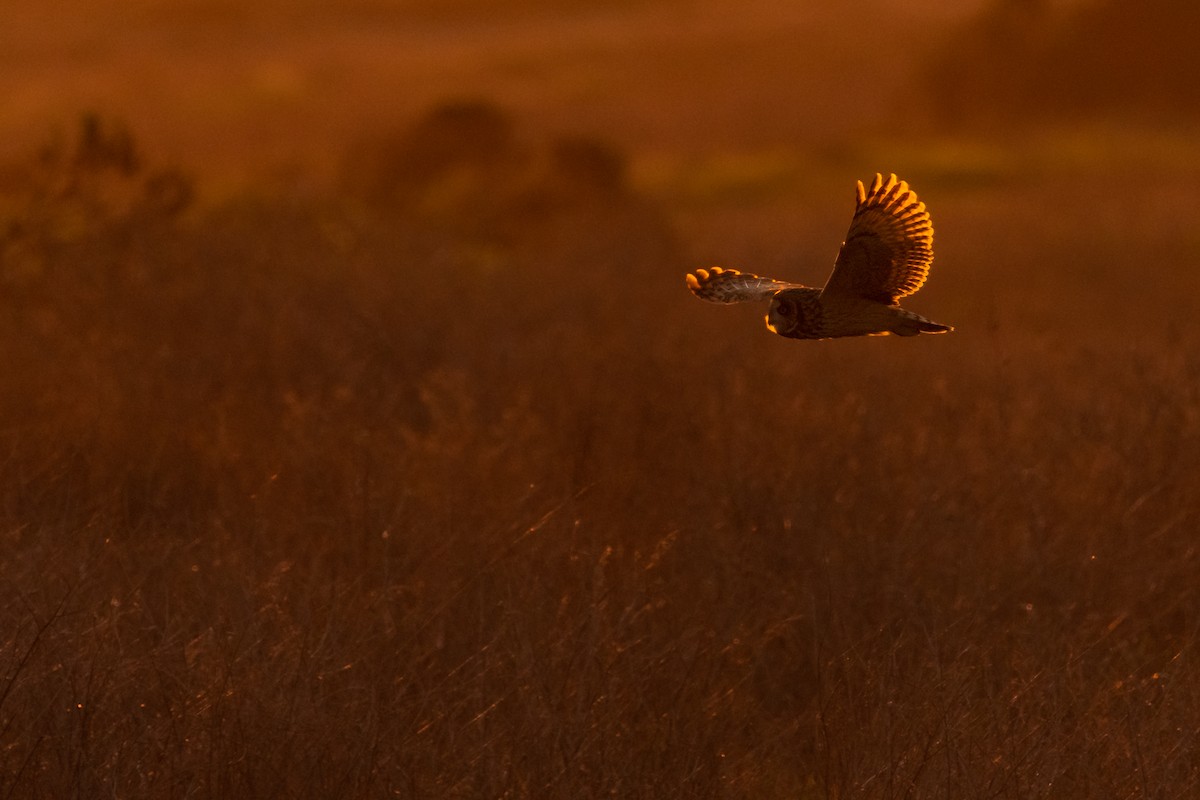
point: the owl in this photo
(886, 256)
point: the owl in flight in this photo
(886, 256)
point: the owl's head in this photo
(787, 314)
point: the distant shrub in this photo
(472, 142)
(463, 169)
(93, 184)
(1021, 61)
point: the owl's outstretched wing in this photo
(730, 286)
(889, 248)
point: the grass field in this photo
(418, 473)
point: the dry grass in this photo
(302, 499)
(438, 484)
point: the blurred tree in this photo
(462, 171)
(441, 160)
(1025, 61)
(74, 190)
(991, 58)
(1137, 59)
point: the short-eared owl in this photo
(886, 256)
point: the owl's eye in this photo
(785, 307)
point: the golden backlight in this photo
(359, 437)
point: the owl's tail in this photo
(910, 324)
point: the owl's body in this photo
(886, 256)
(808, 314)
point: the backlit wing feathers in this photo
(889, 248)
(730, 286)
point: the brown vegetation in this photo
(1025, 61)
(440, 484)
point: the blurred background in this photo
(359, 437)
(236, 90)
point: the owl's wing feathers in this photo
(889, 247)
(730, 286)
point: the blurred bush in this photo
(464, 170)
(72, 190)
(187, 356)
(1023, 62)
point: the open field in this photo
(414, 471)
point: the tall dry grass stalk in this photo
(313, 499)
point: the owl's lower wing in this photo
(889, 248)
(718, 285)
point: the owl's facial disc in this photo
(781, 315)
